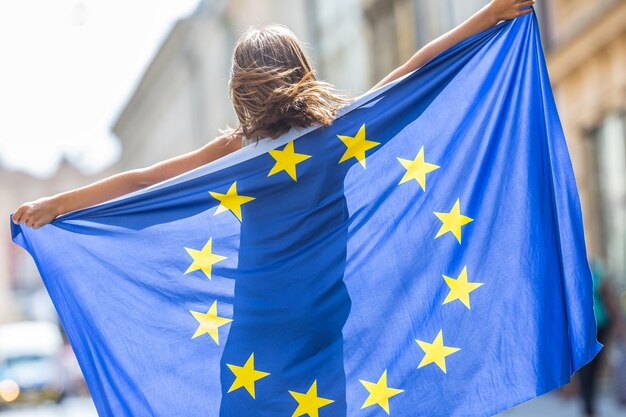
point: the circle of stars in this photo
(287, 160)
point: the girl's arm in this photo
(42, 211)
(483, 19)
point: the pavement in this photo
(551, 405)
(71, 407)
(548, 405)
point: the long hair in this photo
(273, 87)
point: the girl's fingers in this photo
(21, 218)
(17, 215)
(527, 3)
(525, 11)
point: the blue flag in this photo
(423, 255)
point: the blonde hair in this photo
(273, 87)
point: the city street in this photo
(139, 120)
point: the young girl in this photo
(272, 88)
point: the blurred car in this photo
(75, 382)
(30, 365)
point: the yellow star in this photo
(210, 323)
(309, 403)
(452, 222)
(417, 169)
(436, 352)
(204, 259)
(246, 376)
(379, 392)
(460, 288)
(231, 201)
(356, 146)
(286, 160)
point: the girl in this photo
(272, 88)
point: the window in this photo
(436, 17)
(392, 33)
(610, 143)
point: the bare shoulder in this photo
(227, 143)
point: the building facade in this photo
(587, 66)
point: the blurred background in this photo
(89, 88)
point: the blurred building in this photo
(587, 66)
(19, 279)
(398, 28)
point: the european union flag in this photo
(423, 255)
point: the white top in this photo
(245, 141)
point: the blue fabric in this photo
(335, 277)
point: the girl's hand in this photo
(509, 9)
(36, 213)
